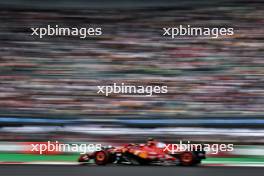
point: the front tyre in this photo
(101, 157)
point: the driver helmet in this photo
(151, 142)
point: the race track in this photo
(59, 170)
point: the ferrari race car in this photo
(143, 154)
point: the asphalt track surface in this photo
(56, 170)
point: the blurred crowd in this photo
(58, 76)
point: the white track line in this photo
(250, 164)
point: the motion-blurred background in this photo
(48, 87)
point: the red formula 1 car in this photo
(143, 154)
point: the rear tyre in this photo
(101, 157)
(187, 159)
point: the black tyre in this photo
(101, 157)
(187, 159)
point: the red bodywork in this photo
(151, 152)
(154, 152)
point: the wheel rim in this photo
(187, 157)
(100, 156)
